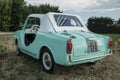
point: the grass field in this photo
(13, 67)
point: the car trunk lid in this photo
(86, 43)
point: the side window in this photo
(32, 21)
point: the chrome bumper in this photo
(89, 57)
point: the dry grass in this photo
(13, 67)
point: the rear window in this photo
(67, 21)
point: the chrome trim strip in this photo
(89, 57)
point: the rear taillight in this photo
(69, 46)
(110, 42)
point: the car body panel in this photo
(56, 41)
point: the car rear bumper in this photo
(89, 58)
(71, 61)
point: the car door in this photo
(30, 31)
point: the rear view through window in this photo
(66, 21)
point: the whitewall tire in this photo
(47, 61)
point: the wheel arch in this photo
(46, 47)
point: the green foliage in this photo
(2, 49)
(42, 9)
(13, 77)
(16, 13)
(5, 14)
(12, 12)
(118, 23)
(103, 25)
(1, 74)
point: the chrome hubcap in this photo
(47, 62)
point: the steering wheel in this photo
(34, 28)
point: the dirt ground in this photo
(24, 67)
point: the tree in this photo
(39, 9)
(118, 25)
(16, 13)
(101, 25)
(118, 22)
(5, 15)
(12, 12)
(19, 11)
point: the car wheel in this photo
(47, 61)
(18, 52)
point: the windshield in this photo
(67, 21)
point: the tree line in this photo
(103, 25)
(12, 12)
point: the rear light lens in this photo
(110, 42)
(69, 46)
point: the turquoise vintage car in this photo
(62, 39)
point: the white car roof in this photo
(48, 23)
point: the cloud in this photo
(81, 5)
(106, 5)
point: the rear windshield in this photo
(67, 21)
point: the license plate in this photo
(92, 46)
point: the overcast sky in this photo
(92, 7)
